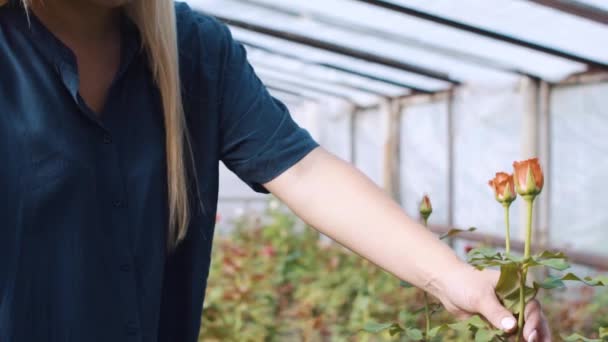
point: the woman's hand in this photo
(467, 291)
(342, 203)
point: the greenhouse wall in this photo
(488, 135)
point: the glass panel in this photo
(455, 67)
(275, 77)
(487, 140)
(322, 56)
(369, 143)
(579, 168)
(414, 33)
(524, 19)
(292, 66)
(424, 159)
(597, 3)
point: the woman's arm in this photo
(342, 203)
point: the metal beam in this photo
(292, 93)
(485, 33)
(576, 8)
(272, 81)
(336, 68)
(339, 49)
(307, 77)
(393, 38)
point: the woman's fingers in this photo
(495, 313)
(536, 328)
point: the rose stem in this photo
(508, 235)
(427, 314)
(524, 272)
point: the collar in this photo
(63, 59)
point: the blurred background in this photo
(434, 97)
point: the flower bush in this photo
(273, 279)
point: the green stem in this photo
(530, 204)
(427, 316)
(524, 271)
(522, 302)
(508, 223)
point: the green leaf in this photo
(414, 334)
(454, 232)
(554, 260)
(587, 280)
(395, 329)
(604, 332)
(437, 330)
(507, 288)
(508, 281)
(556, 264)
(465, 326)
(558, 282)
(550, 283)
(406, 285)
(484, 335)
(578, 338)
(374, 328)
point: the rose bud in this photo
(425, 207)
(528, 176)
(504, 188)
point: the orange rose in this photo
(425, 207)
(529, 179)
(504, 188)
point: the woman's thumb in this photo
(495, 313)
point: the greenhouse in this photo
(435, 97)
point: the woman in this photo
(111, 175)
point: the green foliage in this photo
(602, 337)
(454, 232)
(273, 280)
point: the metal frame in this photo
(277, 82)
(292, 93)
(343, 50)
(336, 68)
(354, 87)
(485, 33)
(577, 8)
(395, 38)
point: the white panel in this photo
(580, 168)
(524, 19)
(537, 63)
(487, 140)
(371, 137)
(424, 159)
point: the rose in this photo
(528, 176)
(504, 187)
(425, 208)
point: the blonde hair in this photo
(156, 22)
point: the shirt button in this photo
(125, 268)
(131, 328)
(107, 139)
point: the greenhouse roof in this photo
(359, 50)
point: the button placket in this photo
(131, 329)
(122, 258)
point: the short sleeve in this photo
(259, 138)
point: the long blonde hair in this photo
(156, 22)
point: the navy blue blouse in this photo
(83, 211)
